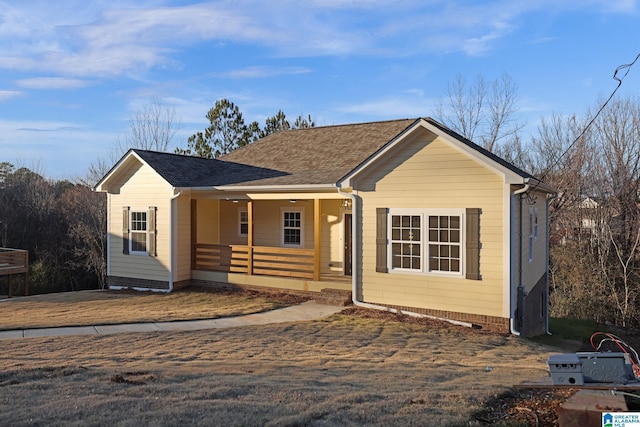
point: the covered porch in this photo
(302, 241)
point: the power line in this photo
(627, 68)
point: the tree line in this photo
(61, 224)
(594, 220)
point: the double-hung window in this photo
(292, 227)
(139, 232)
(243, 222)
(426, 241)
(445, 238)
(406, 242)
(533, 231)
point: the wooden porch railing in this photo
(15, 261)
(270, 261)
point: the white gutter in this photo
(354, 276)
(512, 326)
(174, 236)
(270, 188)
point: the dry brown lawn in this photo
(344, 370)
(111, 307)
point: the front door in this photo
(348, 253)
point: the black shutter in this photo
(125, 229)
(473, 244)
(151, 226)
(381, 240)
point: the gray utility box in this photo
(565, 369)
(606, 367)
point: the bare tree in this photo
(484, 111)
(152, 127)
(617, 130)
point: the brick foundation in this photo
(492, 323)
(129, 282)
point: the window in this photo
(138, 238)
(444, 243)
(139, 231)
(406, 250)
(243, 223)
(533, 230)
(439, 251)
(292, 230)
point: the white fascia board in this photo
(510, 176)
(99, 187)
(536, 184)
(102, 184)
(347, 180)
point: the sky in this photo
(73, 73)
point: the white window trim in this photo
(424, 248)
(282, 212)
(240, 211)
(533, 231)
(132, 211)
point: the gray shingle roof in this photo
(189, 171)
(321, 155)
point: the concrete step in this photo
(330, 296)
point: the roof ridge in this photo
(288, 131)
(373, 122)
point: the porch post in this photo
(317, 238)
(194, 231)
(250, 238)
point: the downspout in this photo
(354, 275)
(173, 234)
(512, 325)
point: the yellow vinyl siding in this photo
(430, 174)
(267, 216)
(207, 217)
(229, 217)
(140, 187)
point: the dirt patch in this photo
(132, 378)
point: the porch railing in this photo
(266, 260)
(14, 261)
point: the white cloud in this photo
(53, 144)
(8, 94)
(411, 106)
(51, 83)
(263, 72)
(107, 38)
